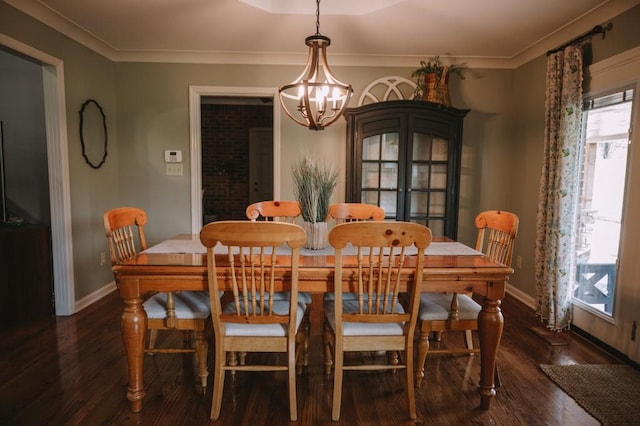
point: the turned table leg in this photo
(134, 325)
(490, 325)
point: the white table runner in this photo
(195, 246)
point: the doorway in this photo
(198, 192)
(58, 171)
(237, 154)
(608, 309)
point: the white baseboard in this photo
(521, 296)
(111, 287)
(95, 296)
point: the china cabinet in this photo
(404, 156)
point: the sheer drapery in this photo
(556, 223)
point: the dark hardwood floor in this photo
(72, 371)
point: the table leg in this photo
(490, 325)
(134, 326)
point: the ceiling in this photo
(496, 33)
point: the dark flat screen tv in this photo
(3, 195)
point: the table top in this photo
(185, 250)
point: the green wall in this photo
(147, 109)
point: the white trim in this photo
(599, 14)
(521, 296)
(195, 97)
(58, 163)
(95, 296)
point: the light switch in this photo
(174, 169)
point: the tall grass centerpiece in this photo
(314, 184)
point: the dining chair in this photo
(441, 312)
(254, 320)
(284, 211)
(186, 310)
(277, 211)
(375, 320)
(353, 212)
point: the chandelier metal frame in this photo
(316, 98)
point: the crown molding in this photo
(584, 23)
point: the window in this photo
(605, 143)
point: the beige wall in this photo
(147, 108)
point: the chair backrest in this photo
(121, 226)
(257, 259)
(353, 212)
(381, 254)
(276, 211)
(497, 232)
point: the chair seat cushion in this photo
(330, 295)
(303, 297)
(280, 307)
(188, 305)
(362, 328)
(436, 307)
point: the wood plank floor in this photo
(72, 371)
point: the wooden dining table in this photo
(180, 264)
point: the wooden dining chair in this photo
(375, 320)
(353, 212)
(254, 320)
(284, 211)
(186, 310)
(441, 312)
(277, 211)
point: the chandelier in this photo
(316, 98)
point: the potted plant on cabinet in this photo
(313, 186)
(433, 80)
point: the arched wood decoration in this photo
(93, 126)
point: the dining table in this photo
(179, 264)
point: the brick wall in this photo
(225, 156)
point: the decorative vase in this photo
(316, 235)
(436, 88)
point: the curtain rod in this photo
(598, 29)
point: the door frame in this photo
(615, 331)
(58, 169)
(195, 97)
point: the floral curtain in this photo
(556, 221)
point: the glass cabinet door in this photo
(380, 162)
(404, 156)
(426, 202)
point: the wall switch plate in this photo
(174, 169)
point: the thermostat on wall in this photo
(173, 156)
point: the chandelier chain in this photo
(317, 17)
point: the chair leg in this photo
(153, 337)
(392, 358)
(468, 340)
(300, 342)
(411, 395)
(218, 381)
(291, 374)
(201, 356)
(186, 338)
(437, 338)
(307, 335)
(423, 348)
(327, 340)
(232, 360)
(337, 384)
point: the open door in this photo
(260, 164)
